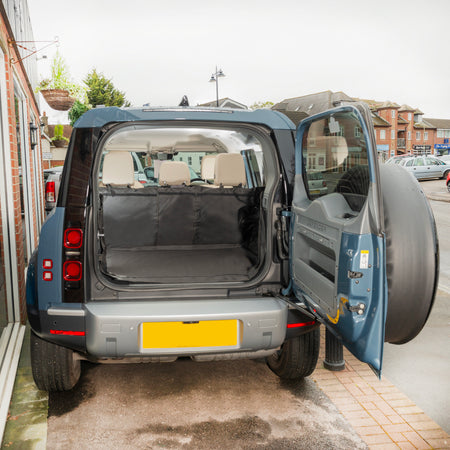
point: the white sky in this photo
(158, 51)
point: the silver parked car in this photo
(425, 167)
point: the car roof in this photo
(99, 117)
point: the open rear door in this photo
(338, 266)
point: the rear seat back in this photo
(229, 170)
(118, 170)
(174, 173)
(207, 167)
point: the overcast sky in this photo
(158, 51)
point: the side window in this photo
(418, 162)
(336, 160)
(409, 163)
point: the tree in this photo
(101, 91)
(261, 105)
(77, 110)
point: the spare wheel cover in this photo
(412, 254)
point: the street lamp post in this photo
(215, 78)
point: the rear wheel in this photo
(55, 368)
(297, 357)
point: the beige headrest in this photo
(118, 169)
(208, 163)
(229, 170)
(174, 173)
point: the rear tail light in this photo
(73, 238)
(72, 270)
(324, 183)
(50, 191)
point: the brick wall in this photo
(14, 71)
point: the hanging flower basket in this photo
(58, 99)
(59, 143)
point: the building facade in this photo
(21, 183)
(442, 135)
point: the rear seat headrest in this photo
(207, 169)
(229, 170)
(118, 169)
(174, 173)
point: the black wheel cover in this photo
(412, 254)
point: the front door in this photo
(337, 244)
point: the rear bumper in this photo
(114, 330)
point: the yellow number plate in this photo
(208, 333)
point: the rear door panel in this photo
(337, 240)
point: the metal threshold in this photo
(10, 347)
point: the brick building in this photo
(399, 129)
(21, 184)
(442, 136)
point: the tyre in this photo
(444, 177)
(412, 257)
(297, 357)
(55, 368)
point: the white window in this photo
(425, 135)
(393, 113)
(447, 133)
(440, 133)
(409, 116)
(392, 134)
(417, 135)
(357, 131)
(409, 135)
(190, 160)
(382, 134)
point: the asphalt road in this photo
(215, 405)
(421, 368)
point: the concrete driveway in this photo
(236, 404)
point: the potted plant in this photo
(58, 90)
(58, 139)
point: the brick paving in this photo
(383, 416)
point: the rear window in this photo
(151, 146)
(335, 150)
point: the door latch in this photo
(359, 308)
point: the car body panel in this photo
(98, 118)
(115, 329)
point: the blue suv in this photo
(245, 260)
